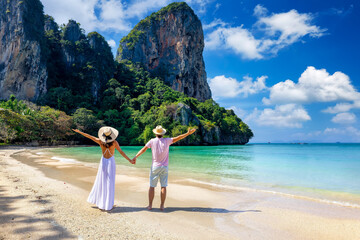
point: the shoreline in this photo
(203, 211)
(340, 198)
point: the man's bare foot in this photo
(149, 207)
(162, 207)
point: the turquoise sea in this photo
(320, 170)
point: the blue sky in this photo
(289, 69)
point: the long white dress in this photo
(103, 191)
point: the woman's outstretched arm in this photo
(117, 146)
(95, 139)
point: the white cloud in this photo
(141, 8)
(217, 6)
(288, 115)
(353, 131)
(260, 11)
(253, 116)
(279, 30)
(237, 39)
(303, 136)
(222, 86)
(350, 131)
(112, 15)
(314, 86)
(340, 107)
(344, 118)
(79, 10)
(290, 25)
(241, 113)
(216, 22)
(112, 43)
(199, 5)
(334, 130)
(343, 107)
(111, 10)
(108, 15)
(342, 12)
(248, 86)
(343, 134)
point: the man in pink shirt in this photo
(160, 161)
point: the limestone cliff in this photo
(103, 61)
(169, 43)
(209, 134)
(78, 62)
(22, 62)
(74, 38)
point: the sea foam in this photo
(236, 188)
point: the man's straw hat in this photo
(108, 134)
(159, 130)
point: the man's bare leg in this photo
(151, 197)
(163, 197)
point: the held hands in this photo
(133, 161)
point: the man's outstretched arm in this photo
(182, 136)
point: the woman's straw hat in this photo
(159, 130)
(108, 134)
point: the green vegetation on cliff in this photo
(87, 89)
(79, 66)
(172, 7)
(32, 20)
(134, 103)
(137, 32)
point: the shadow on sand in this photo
(23, 225)
(178, 209)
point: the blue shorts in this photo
(159, 172)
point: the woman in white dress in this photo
(102, 193)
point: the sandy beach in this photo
(42, 198)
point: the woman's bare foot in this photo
(149, 207)
(103, 210)
(162, 207)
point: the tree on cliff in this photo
(169, 44)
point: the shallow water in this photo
(330, 169)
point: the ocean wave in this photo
(235, 188)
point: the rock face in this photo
(209, 135)
(36, 56)
(50, 24)
(71, 35)
(169, 43)
(103, 61)
(89, 55)
(22, 64)
(78, 62)
(55, 64)
(185, 116)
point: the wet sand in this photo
(42, 198)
